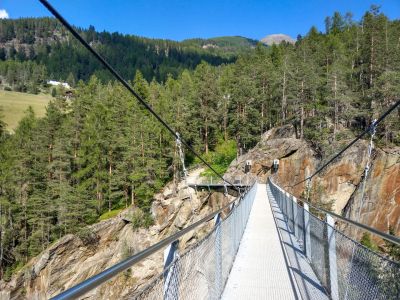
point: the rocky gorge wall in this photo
(338, 186)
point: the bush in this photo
(367, 242)
(87, 236)
(20, 88)
(221, 158)
(7, 88)
(11, 270)
(141, 219)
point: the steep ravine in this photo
(73, 259)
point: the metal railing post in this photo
(171, 283)
(332, 258)
(295, 227)
(218, 257)
(291, 213)
(232, 227)
(307, 237)
(287, 206)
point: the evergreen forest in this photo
(45, 42)
(99, 150)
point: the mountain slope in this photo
(227, 44)
(271, 39)
(14, 104)
(45, 41)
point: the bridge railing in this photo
(346, 269)
(244, 179)
(201, 271)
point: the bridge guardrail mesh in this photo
(348, 270)
(202, 270)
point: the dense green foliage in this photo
(228, 44)
(22, 76)
(101, 151)
(368, 242)
(46, 42)
(392, 249)
(220, 158)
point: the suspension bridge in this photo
(265, 244)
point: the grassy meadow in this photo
(14, 104)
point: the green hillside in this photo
(224, 44)
(14, 104)
(45, 42)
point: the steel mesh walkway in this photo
(307, 282)
(260, 269)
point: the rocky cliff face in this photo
(339, 185)
(74, 258)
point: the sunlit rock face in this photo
(339, 184)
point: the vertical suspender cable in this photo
(358, 213)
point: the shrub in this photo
(221, 158)
(141, 219)
(87, 236)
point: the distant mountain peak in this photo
(277, 39)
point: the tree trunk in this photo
(174, 169)
(98, 195)
(109, 187)
(132, 195)
(126, 195)
(301, 122)
(142, 144)
(386, 47)
(284, 96)
(225, 120)
(302, 110)
(206, 136)
(336, 118)
(371, 64)
(262, 119)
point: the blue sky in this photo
(180, 19)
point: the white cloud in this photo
(3, 14)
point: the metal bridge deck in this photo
(309, 287)
(260, 269)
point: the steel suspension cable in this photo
(60, 18)
(358, 214)
(369, 129)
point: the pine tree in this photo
(205, 101)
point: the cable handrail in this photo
(63, 21)
(96, 280)
(372, 230)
